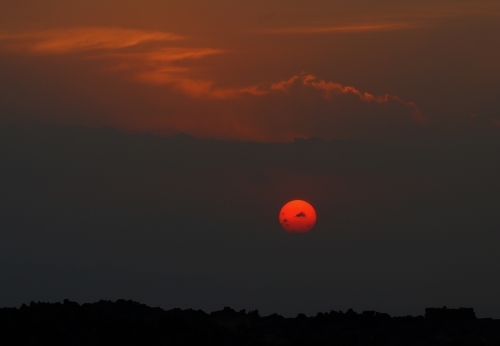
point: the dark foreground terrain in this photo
(130, 323)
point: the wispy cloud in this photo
(83, 39)
(398, 16)
(366, 27)
(153, 61)
(155, 58)
(329, 88)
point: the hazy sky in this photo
(259, 70)
(98, 202)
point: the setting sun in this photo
(297, 216)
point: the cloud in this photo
(300, 106)
(152, 64)
(398, 16)
(330, 88)
(161, 64)
(336, 96)
(366, 27)
(328, 109)
(83, 39)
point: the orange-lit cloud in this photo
(156, 64)
(304, 106)
(331, 88)
(300, 106)
(83, 39)
(158, 67)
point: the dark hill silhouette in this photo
(126, 322)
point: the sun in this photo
(297, 216)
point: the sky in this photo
(147, 148)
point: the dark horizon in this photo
(127, 322)
(436, 313)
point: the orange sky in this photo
(257, 70)
(403, 224)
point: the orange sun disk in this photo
(297, 216)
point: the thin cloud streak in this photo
(397, 17)
(83, 39)
(368, 27)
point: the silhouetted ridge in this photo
(126, 322)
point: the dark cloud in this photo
(301, 214)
